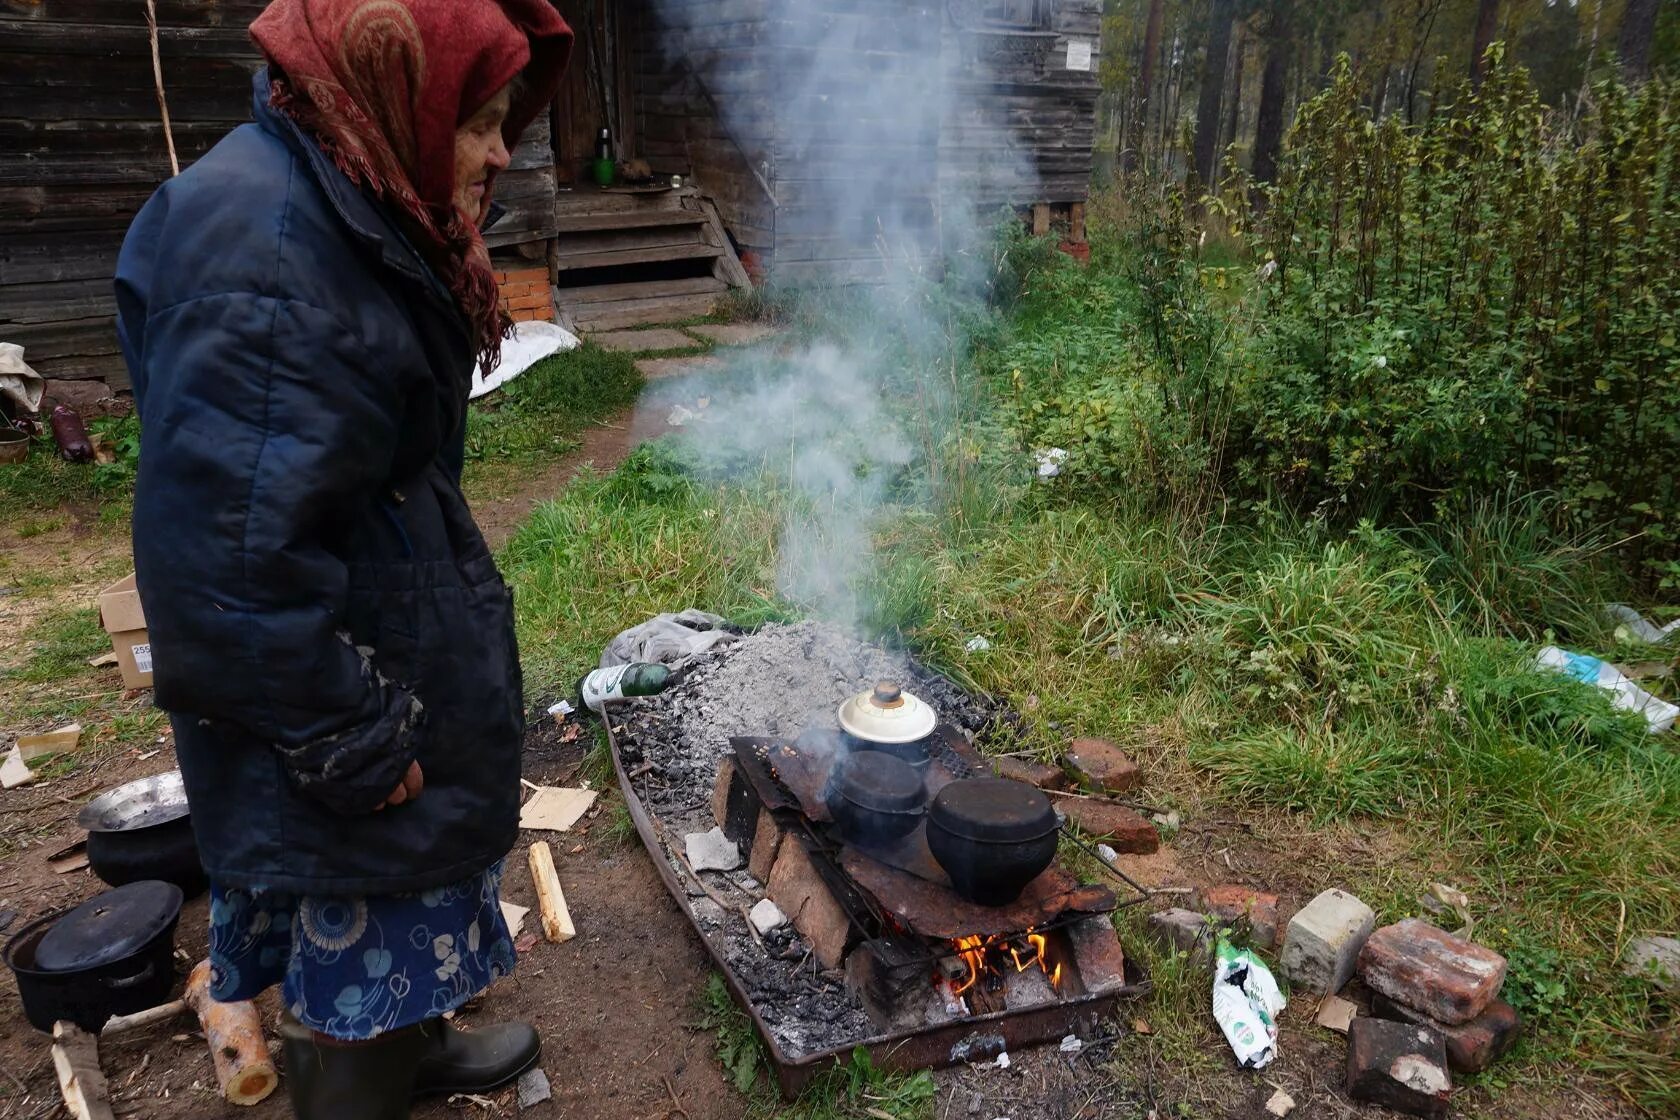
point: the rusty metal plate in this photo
(933, 910)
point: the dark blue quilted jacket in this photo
(322, 608)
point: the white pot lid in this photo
(887, 714)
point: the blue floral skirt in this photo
(353, 967)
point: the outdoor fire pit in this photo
(878, 949)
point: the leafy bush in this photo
(1487, 298)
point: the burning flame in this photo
(989, 955)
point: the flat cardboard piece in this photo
(514, 916)
(62, 740)
(1335, 1013)
(14, 771)
(556, 809)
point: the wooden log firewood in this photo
(244, 1070)
(75, 1055)
(118, 1025)
(551, 903)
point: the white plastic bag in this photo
(1659, 714)
(1246, 1002)
(529, 344)
(19, 385)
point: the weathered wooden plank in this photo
(640, 312)
(47, 209)
(170, 13)
(642, 289)
(611, 258)
(633, 219)
(72, 255)
(66, 299)
(591, 243)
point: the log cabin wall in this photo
(680, 52)
(1021, 123)
(81, 149)
(809, 120)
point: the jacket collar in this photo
(366, 219)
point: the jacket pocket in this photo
(383, 617)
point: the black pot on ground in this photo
(875, 798)
(112, 955)
(992, 836)
(141, 830)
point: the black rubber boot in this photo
(371, 1080)
(474, 1061)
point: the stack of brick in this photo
(526, 295)
(1425, 976)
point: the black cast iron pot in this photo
(112, 955)
(992, 836)
(874, 797)
(142, 830)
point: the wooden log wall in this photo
(1021, 124)
(821, 97)
(83, 150)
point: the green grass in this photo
(855, 1090)
(60, 645)
(537, 417)
(1260, 665)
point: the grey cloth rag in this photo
(668, 639)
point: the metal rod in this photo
(1143, 892)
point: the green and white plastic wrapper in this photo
(1246, 1002)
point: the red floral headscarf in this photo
(382, 86)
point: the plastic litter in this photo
(529, 344)
(19, 384)
(1050, 460)
(1633, 625)
(1071, 1044)
(977, 644)
(1246, 1002)
(1659, 714)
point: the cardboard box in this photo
(120, 614)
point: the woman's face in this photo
(479, 152)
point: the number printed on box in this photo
(143, 657)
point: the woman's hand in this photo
(413, 782)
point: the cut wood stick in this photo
(118, 1025)
(244, 1070)
(551, 901)
(75, 1055)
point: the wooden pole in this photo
(157, 79)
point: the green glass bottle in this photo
(605, 686)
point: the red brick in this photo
(1031, 771)
(528, 274)
(720, 792)
(1125, 830)
(1449, 979)
(1398, 1065)
(527, 303)
(766, 843)
(798, 889)
(1244, 908)
(1471, 1047)
(1097, 952)
(1104, 765)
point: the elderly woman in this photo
(301, 312)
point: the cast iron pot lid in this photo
(135, 805)
(887, 714)
(993, 810)
(881, 781)
(109, 927)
